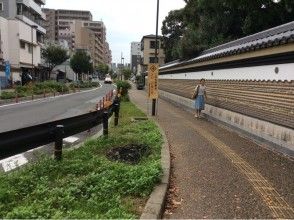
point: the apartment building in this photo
(22, 33)
(99, 28)
(70, 25)
(86, 39)
(108, 55)
(59, 21)
(135, 55)
(148, 51)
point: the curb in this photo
(155, 204)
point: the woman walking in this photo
(200, 97)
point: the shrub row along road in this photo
(31, 113)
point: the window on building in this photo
(30, 48)
(1, 6)
(151, 59)
(22, 45)
(19, 9)
(152, 44)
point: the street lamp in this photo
(121, 65)
(32, 32)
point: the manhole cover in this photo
(131, 153)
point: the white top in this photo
(201, 90)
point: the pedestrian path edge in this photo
(155, 205)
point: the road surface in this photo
(28, 114)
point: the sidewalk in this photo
(218, 174)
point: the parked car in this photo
(140, 83)
(107, 80)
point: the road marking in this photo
(276, 203)
(11, 163)
(71, 139)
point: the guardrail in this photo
(24, 139)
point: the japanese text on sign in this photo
(153, 81)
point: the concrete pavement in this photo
(218, 174)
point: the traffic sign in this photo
(153, 81)
(7, 69)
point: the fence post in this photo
(59, 132)
(116, 104)
(105, 123)
(16, 97)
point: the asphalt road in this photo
(28, 114)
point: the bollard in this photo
(105, 123)
(32, 96)
(44, 93)
(59, 132)
(116, 113)
(16, 97)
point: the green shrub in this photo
(7, 95)
(22, 89)
(95, 84)
(125, 87)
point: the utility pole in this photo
(156, 55)
(32, 32)
(121, 66)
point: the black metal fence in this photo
(24, 139)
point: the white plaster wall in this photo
(25, 33)
(4, 37)
(267, 72)
(281, 136)
(13, 42)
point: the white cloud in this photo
(126, 20)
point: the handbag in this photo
(195, 93)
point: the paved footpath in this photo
(218, 174)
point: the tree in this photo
(127, 73)
(172, 29)
(102, 69)
(203, 24)
(54, 55)
(81, 63)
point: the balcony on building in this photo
(41, 2)
(29, 12)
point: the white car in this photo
(108, 80)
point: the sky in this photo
(126, 20)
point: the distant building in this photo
(22, 33)
(148, 51)
(135, 56)
(60, 20)
(78, 29)
(64, 72)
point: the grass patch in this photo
(86, 184)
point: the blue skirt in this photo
(200, 102)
